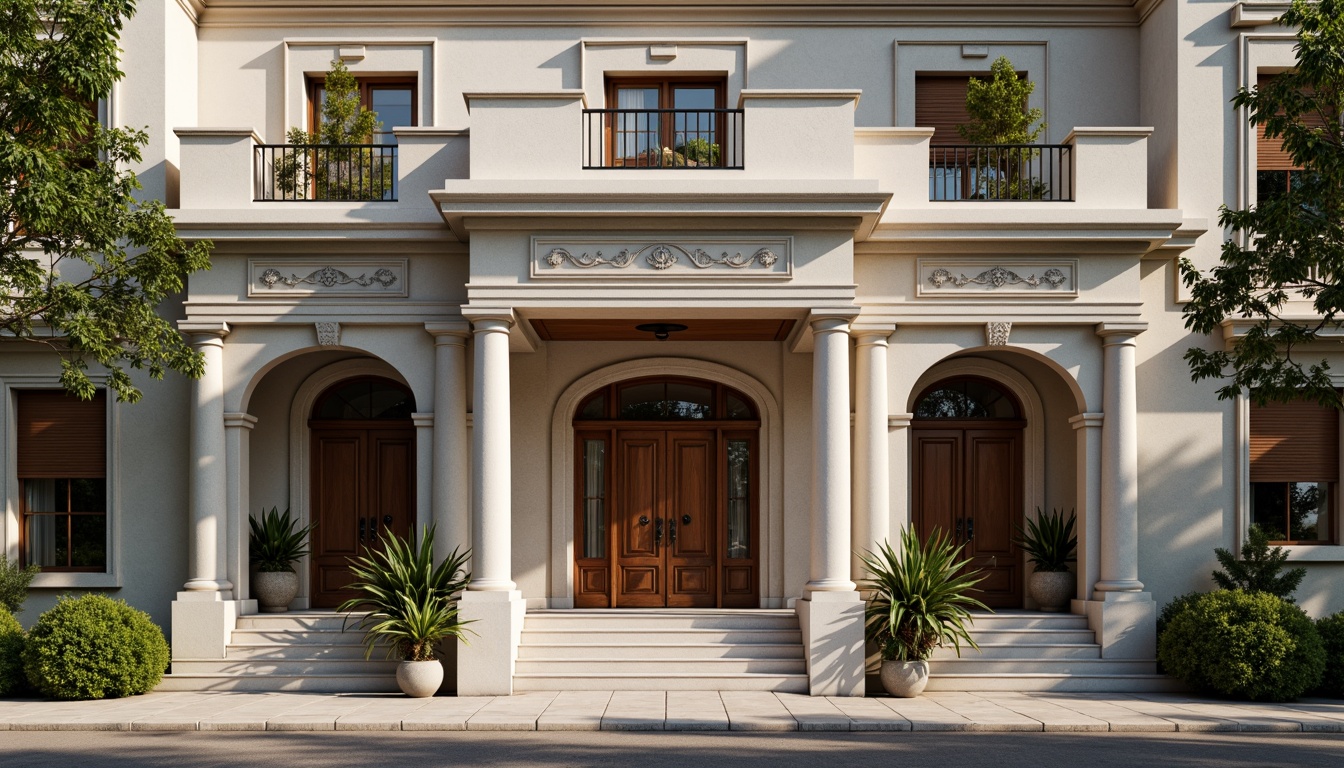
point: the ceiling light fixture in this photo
(661, 331)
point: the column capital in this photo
(235, 420)
(422, 420)
(489, 318)
(1087, 420)
(899, 420)
(197, 328)
(1120, 333)
(450, 333)
(865, 333)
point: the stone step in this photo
(666, 681)
(296, 636)
(656, 635)
(1018, 650)
(1034, 636)
(292, 620)
(656, 670)
(1027, 620)
(1055, 682)
(285, 667)
(380, 683)
(660, 652)
(297, 651)
(971, 665)
(661, 620)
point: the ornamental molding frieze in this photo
(288, 278)
(1007, 277)
(614, 258)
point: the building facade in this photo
(459, 323)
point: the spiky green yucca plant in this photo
(919, 597)
(411, 602)
(1049, 540)
(274, 544)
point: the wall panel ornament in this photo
(283, 278)
(623, 259)
(996, 334)
(328, 334)
(963, 277)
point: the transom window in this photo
(364, 399)
(666, 400)
(966, 398)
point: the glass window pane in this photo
(689, 401)
(966, 399)
(43, 495)
(88, 495)
(46, 541)
(636, 134)
(366, 399)
(89, 549)
(393, 106)
(643, 401)
(1270, 184)
(739, 499)
(594, 501)
(594, 408)
(1309, 511)
(737, 408)
(693, 97)
(1269, 508)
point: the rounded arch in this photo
(562, 464)
(362, 398)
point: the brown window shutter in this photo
(60, 435)
(940, 103)
(1294, 442)
(1269, 153)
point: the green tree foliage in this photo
(1284, 258)
(1248, 645)
(1259, 569)
(94, 647)
(340, 169)
(14, 581)
(83, 263)
(1331, 630)
(999, 115)
(11, 654)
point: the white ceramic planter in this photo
(419, 679)
(905, 679)
(1052, 590)
(275, 590)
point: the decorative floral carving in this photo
(997, 277)
(662, 256)
(996, 334)
(328, 334)
(328, 277)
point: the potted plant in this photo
(918, 602)
(274, 545)
(411, 606)
(1050, 544)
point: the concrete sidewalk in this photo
(669, 711)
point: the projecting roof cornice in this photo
(679, 13)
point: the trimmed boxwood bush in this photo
(11, 650)
(1331, 629)
(1247, 645)
(94, 647)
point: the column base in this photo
(1125, 623)
(202, 623)
(832, 626)
(486, 658)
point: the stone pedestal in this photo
(1125, 623)
(203, 621)
(485, 660)
(832, 625)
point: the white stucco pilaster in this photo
(209, 476)
(238, 432)
(872, 459)
(1119, 460)
(450, 508)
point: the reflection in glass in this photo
(594, 498)
(1292, 511)
(737, 408)
(366, 399)
(662, 400)
(595, 407)
(966, 399)
(65, 522)
(739, 499)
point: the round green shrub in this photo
(94, 647)
(1331, 629)
(1247, 645)
(11, 651)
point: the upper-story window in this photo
(940, 104)
(62, 473)
(1294, 471)
(669, 122)
(393, 99)
(1275, 172)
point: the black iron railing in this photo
(662, 138)
(1001, 172)
(326, 172)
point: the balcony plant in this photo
(410, 604)
(919, 601)
(274, 545)
(1051, 544)
(1000, 118)
(338, 160)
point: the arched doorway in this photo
(966, 466)
(665, 507)
(363, 477)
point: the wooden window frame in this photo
(366, 87)
(1328, 475)
(666, 87)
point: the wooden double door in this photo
(363, 488)
(679, 528)
(968, 482)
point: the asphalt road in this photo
(650, 750)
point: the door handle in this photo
(658, 532)
(960, 522)
(362, 523)
(970, 528)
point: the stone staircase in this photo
(661, 649)
(1031, 651)
(294, 651)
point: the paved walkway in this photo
(669, 711)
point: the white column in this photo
(1119, 461)
(238, 430)
(872, 486)
(492, 602)
(831, 615)
(424, 475)
(1087, 428)
(209, 477)
(451, 510)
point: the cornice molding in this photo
(1256, 13)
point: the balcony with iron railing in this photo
(663, 138)
(1001, 172)
(325, 172)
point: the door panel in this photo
(993, 506)
(639, 512)
(938, 480)
(691, 518)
